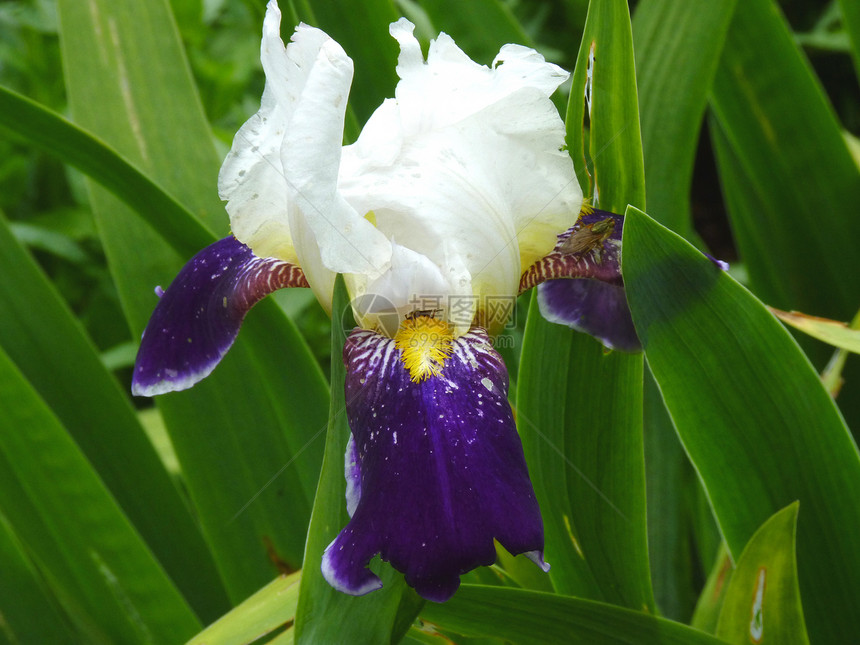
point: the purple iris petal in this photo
(580, 285)
(590, 249)
(441, 468)
(593, 307)
(198, 317)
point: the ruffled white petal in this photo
(310, 155)
(463, 168)
(280, 176)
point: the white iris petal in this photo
(463, 169)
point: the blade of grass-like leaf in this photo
(45, 341)
(747, 204)
(670, 486)
(707, 612)
(677, 50)
(246, 437)
(752, 414)
(831, 332)
(270, 608)
(851, 22)
(325, 615)
(763, 598)
(74, 529)
(602, 119)
(28, 610)
(678, 44)
(787, 143)
(33, 124)
(579, 410)
(526, 617)
(479, 27)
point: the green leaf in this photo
(249, 453)
(795, 221)
(526, 617)
(43, 339)
(603, 137)
(579, 416)
(677, 50)
(671, 487)
(851, 20)
(29, 611)
(831, 332)
(710, 602)
(579, 409)
(762, 602)
(678, 44)
(95, 562)
(752, 414)
(365, 619)
(33, 124)
(272, 607)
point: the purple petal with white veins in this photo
(441, 467)
(198, 317)
(596, 308)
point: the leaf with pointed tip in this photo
(752, 414)
(247, 438)
(579, 409)
(526, 617)
(762, 602)
(95, 562)
(271, 608)
(828, 331)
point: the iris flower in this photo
(457, 196)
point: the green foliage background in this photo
(731, 124)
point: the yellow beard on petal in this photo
(424, 343)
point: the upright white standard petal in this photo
(279, 178)
(465, 168)
(453, 188)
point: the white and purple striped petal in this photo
(441, 469)
(580, 285)
(199, 315)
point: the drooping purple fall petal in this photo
(198, 317)
(579, 283)
(596, 308)
(441, 469)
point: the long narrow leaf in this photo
(547, 619)
(33, 124)
(272, 607)
(95, 561)
(54, 354)
(753, 416)
(788, 145)
(580, 409)
(249, 438)
(28, 609)
(678, 44)
(763, 598)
